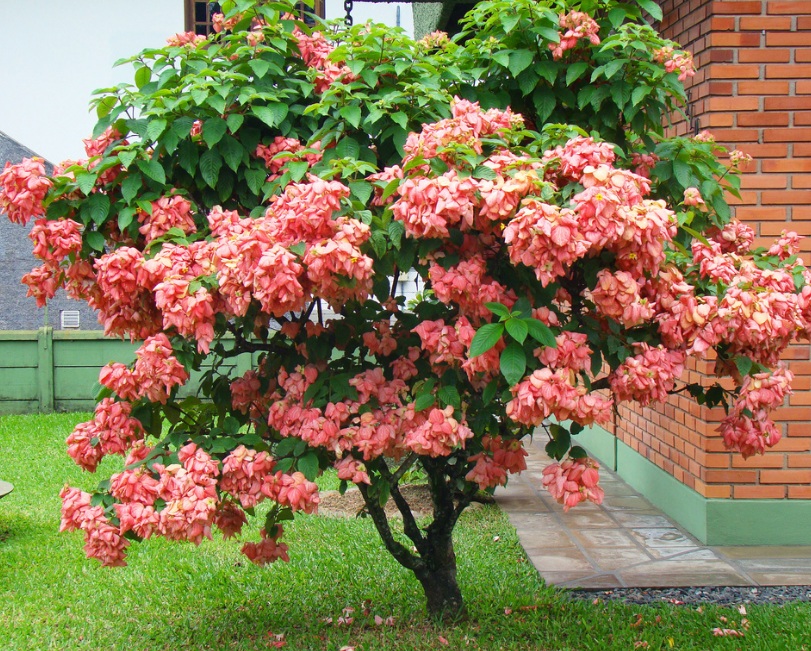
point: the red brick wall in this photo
(753, 92)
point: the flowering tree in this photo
(573, 258)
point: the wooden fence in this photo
(47, 370)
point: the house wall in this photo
(751, 93)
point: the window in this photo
(199, 12)
(70, 319)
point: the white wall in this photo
(56, 52)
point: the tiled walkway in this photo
(626, 542)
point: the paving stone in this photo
(595, 582)
(596, 538)
(561, 561)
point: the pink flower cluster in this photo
(573, 481)
(578, 25)
(185, 39)
(649, 375)
(468, 285)
(617, 296)
(545, 238)
(497, 459)
(439, 435)
(112, 431)
(155, 373)
(282, 151)
(167, 213)
(676, 61)
(268, 550)
(554, 393)
(22, 189)
(759, 394)
(315, 51)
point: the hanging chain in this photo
(348, 4)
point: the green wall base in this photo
(712, 521)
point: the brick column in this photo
(753, 92)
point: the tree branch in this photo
(396, 549)
(410, 527)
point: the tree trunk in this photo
(442, 595)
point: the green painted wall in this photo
(48, 370)
(712, 521)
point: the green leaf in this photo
(400, 118)
(259, 67)
(485, 172)
(508, 21)
(396, 231)
(378, 242)
(683, 173)
(489, 392)
(423, 401)
(297, 169)
(142, 77)
(308, 465)
(520, 60)
(125, 217)
(210, 166)
(234, 121)
(272, 114)
(106, 105)
(232, 151)
(126, 157)
(541, 333)
(513, 363)
(98, 206)
(348, 148)
(95, 240)
(86, 181)
(130, 186)
(652, 8)
(517, 329)
(362, 190)
(256, 179)
(449, 395)
(498, 309)
(575, 71)
(213, 130)
(639, 93)
(485, 338)
(285, 447)
(351, 114)
(153, 170)
(155, 129)
(616, 17)
(545, 102)
(744, 364)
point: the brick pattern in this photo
(753, 91)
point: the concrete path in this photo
(627, 542)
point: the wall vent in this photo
(71, 319)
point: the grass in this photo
(176, 596)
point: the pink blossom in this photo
(188, 39)
(230, 519)
(350, 469)
(75, 504)
(573, 481)
(268, 550)
(692, 197)
(439, 435)
(244, 472)
(22, 189)
(55, 240)
(577, 25)
(167, 213)
(617, 296)
(649, 375)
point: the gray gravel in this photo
(724, 596)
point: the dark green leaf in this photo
(517, 329)
(498, 309)
(449, 395)
(153, 170)
(485, 172)
(297, 169)
(272, 114)
(126, 157)
(361, 190)
(155, 129)
(98, 206)
(652, 8)
(541, 333)
(396, 231)
(485, 338)
(575, 71)
(308, 465)
(232, 152)
(95, 240)
(423, 401)
(213, 130)
(210, 166)
(513, 363)
(351, 114)
(285, 447)
(744, 364)
(259, 67)
(519, 61)
(130, 186)
(125, 217)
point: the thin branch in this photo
(402, 555)
(411, 459)
(410, 527)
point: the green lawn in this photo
(177, 596)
